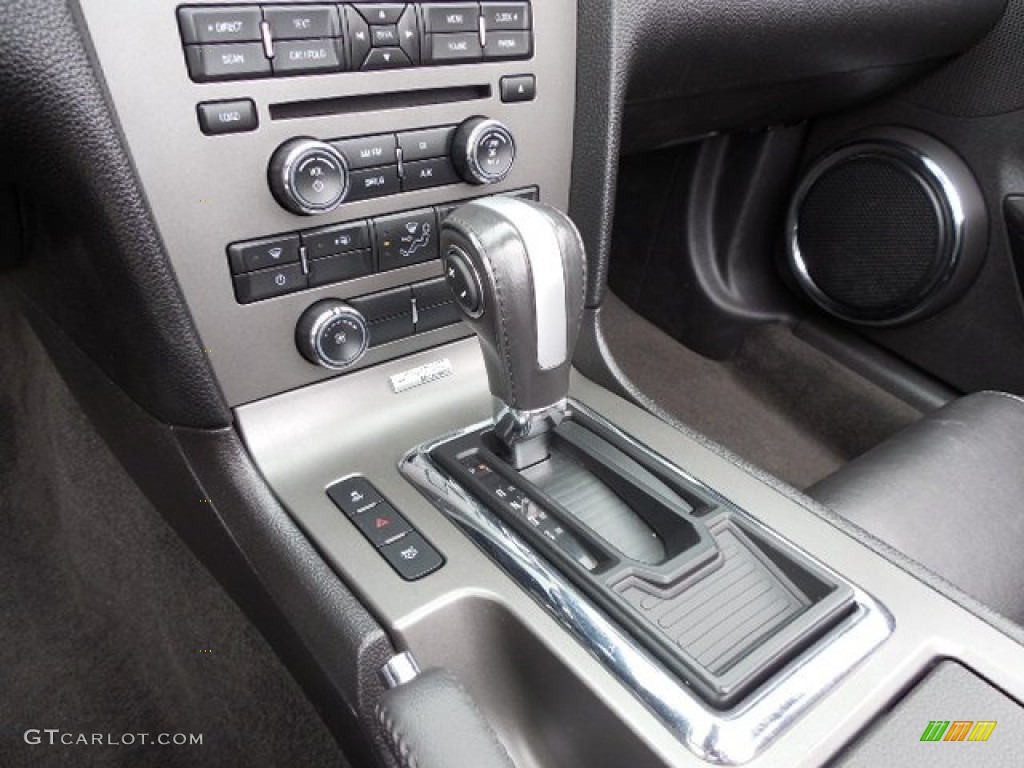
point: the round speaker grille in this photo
(877, 231)
(873, 235)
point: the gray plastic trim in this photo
(730, 738)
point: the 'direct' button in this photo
(230, 24)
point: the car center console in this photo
(302, 162)
(299, 153)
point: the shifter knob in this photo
(517, 271)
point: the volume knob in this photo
(308, 176)
(332, 334)
(483, 150)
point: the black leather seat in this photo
(949, 492)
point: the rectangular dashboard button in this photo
(380, 13)
(429, 173)
(437, 316)
(508, 45)
(293, 57)
(340, 267)
(381, 524)
(412, 557)
(354, 496)
(263, 254)
(230, 24)
(381, 306)
(405, 238)
(302, 21)
(373, 182)
(235, 61)
(426, 144)
(267, 283)
(218, 117)
(338, 238)
(518, 88)
(368, 151)
(451, 17)
(505, 16)
(445, 49)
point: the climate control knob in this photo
(308, 176)
(332, 334)
(483, 150)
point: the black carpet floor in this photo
(779, 403)
(109, 627)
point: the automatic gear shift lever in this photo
(517, 271)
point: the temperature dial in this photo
(483, 150)
(308, 176)
(332, 334)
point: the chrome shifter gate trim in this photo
(731, 737)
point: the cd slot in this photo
(374, 102)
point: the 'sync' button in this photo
(236, 116)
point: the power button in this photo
(308, 176)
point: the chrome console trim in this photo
(731, 737)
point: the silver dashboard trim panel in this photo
(731, 737)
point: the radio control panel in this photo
(299, 153)
(237, 42)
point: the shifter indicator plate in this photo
(519, 505)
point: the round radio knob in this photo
(332, 334)
(483, 150)
(308, 176)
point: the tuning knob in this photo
(332, 334)
(483, 150)
(308, 176)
